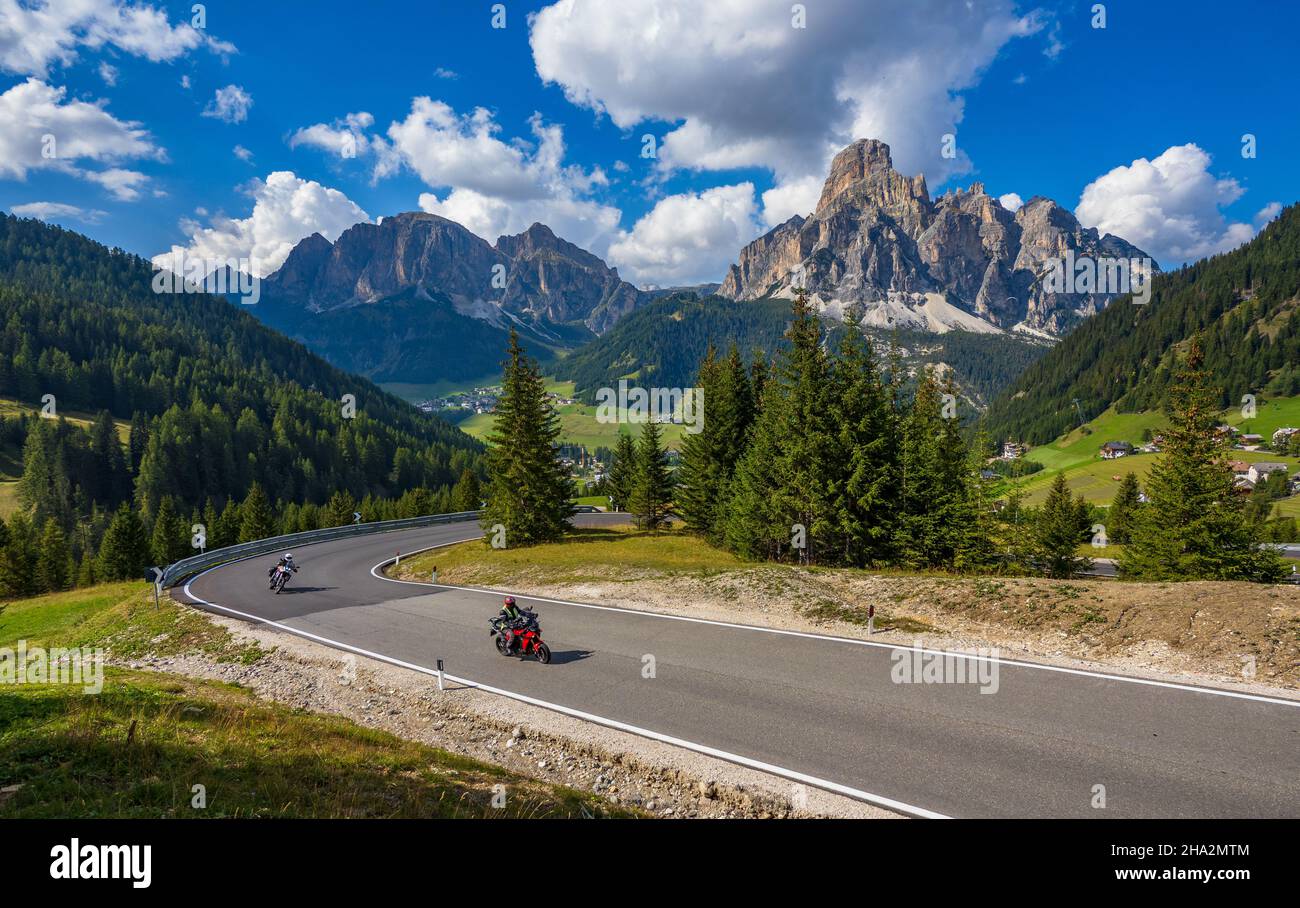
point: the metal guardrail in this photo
(187, 567)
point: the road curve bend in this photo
(818, 710)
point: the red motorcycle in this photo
(527, 637)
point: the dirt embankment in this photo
(1223, 632)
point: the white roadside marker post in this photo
(871, 620)
(440, 687)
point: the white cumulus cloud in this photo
(1170, 206)
(286, 209)
(229, 105)
(40, 130)
(743, 86)
(688, 238)
(57, 212)
(1011, 201)
(39, 34)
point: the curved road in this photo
(820, 710)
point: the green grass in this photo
(1288, 507)
(138, 747)
(587, 554)
(578, 426)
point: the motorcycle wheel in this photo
(543, 653)
(501, 645)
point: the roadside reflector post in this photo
(871, 620)
(440, 687)
(397, 560)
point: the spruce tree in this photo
(866, 497)
(709, 456)
(18, 560)
(255, 518)
(622, 472)
(652, 485)
(54, 562)
(1193, 527)
(919, 535)
(529, 492)
(1058, 530)
(467, 495)
(340, 510)
(124, 551)
(169, 539)
(1123, 510)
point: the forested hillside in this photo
(663, 343)
(1245, 305)
(219, 405)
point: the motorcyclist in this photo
(286, 562)
(510, 616)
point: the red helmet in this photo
(510, 600)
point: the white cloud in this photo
(229, 105)
(689, 238)
(286, 208)
(57, 211)
(860, 69)
(1170, 206)
(108, 73)
(781, 203)
(185, 81)
(243, 153)
(1267, 213)
(39, 130)
(1011, 201)
(489, 185)
(39, 34)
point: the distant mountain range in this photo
(417, 298)
(1244, 306)
(879, 252)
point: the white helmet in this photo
(288, 556)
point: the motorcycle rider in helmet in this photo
(510, 614)
(286, 561)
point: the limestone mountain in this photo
(419, 298)
(877, 250)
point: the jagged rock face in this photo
(876, 243)
(534, 275)
(554, 279)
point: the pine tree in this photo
(1058, 530)
(467, 495)
(622, 472)
(340, 510)
(652, 486)
(529, 491)
(709, 456)
(866, 431)
(918, 538)
(1193, 527)
(169, 537)
(224, 530)
(1123, 510)
(255, 518)
(124, 551)
(18, 560)
(54, 564)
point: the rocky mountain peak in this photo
(877, 249)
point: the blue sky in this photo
(344, 112)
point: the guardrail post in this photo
(440, 687)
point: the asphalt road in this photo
(820, 710)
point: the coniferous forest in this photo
(231, 425)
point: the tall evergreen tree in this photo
(54, 561)
(124, 551)
(255, 518)
(169, 541)
(529, 491)
(467, 495)
(1059, 528)
(1123, 510)
(652, 485)
(709, 456)
(340, 510)
(622, 472)
(1194, 527)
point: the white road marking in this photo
(1061, 669)
(793, 775)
